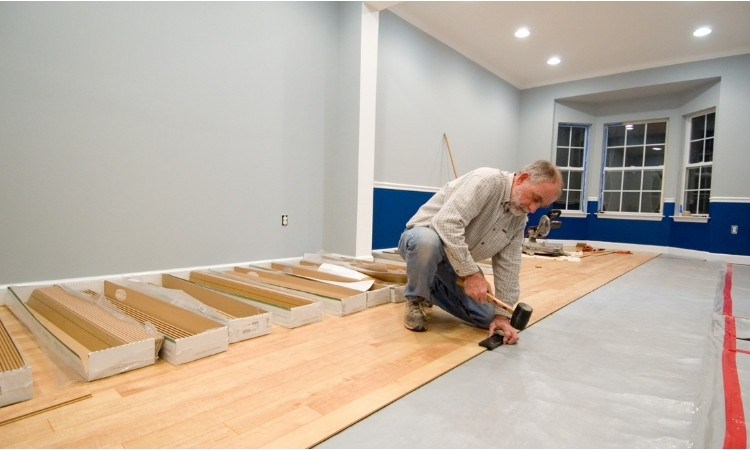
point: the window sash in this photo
(633, 167)
(570, 158)
(698, 163)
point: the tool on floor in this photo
(520, 314)
(546, 223)
(493, 342)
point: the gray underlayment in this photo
(635, 364)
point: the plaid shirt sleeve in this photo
(506, 270)
(463, 203)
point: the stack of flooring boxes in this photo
(288, 308)
(114, 326)
(16, 384)
(187, 334)
(86, 335)
(377, 292)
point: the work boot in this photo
(415, 318)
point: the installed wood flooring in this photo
(291, 388)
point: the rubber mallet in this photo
(520, 314)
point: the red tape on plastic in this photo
(736, 431)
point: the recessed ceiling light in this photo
(553, 61)
(522, 32)
(702, 31)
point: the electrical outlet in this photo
(734, 229)
(284, 220)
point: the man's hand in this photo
(476, 286)
(502, 323)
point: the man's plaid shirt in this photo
(470, 214)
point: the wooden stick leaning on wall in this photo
(450, 154)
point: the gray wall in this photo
(152, 136)
(426, 89)
(148, 136)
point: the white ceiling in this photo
(593, 38)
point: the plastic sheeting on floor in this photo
(639, 363)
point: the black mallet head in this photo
(521, 316)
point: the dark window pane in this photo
(651, 202)
(652, 180)
(654, 156)
(636, 135)
(575, 196)
(615, 157)
(631, 180)
(691, 201)
(697, 128)
(630, 202)
(706, 178)
(615, 135)
(565, 175)
(710, 120)
(612, 180)
(561, 159)
(708, 155)
(656, 133)
(634, 157)
(692, 177)
(611, 201)
(703, 202)
(578, 137)
(696, 152)
(575, 180)
(576, 157)
(563, 135)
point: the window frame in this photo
(636, 215)
(583, 169)
(686, 164)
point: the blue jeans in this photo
(431, 276)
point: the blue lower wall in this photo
(393, 208)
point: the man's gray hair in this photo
(541, 171)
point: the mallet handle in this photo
(496, 300)
(500, 303)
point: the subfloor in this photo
(641, 362)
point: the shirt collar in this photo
(506, 197)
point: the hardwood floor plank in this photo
(290, 388)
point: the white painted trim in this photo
(629, 216)
(366, 156)
(691, 218)
(578, 214)
(404, 187)
(730, 199)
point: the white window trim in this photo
(629, 215)
(697, 218)
(584, 169)
(663, 167)
(572, 213)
